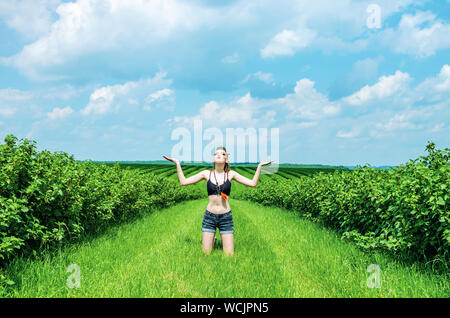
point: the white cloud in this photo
(326, 25)
(85, 28)
(14, 100)
(230, 59)
(265, 77)
(305, 103)
(435, 88)
(444, 79)
(349, 134)
(243, 111)
(308, 103)
(385, 87)
(111, 98)
(164, 98)
(306, 124)
(11, 100)
(403, 108)
(30, 18)
(411, 37)
(366, 68)
(287, 42)
(407, 119)
(160, 94)
(437, 127)
(346, 18)
(59, 113)
(88, 26)
(396, 112)
(6, 111)
(63, 92)
(10, 94)
(261, 76)
(25, 103)
(269, 117)
(395, 123)
(101, 100)
(335, 44)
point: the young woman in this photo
(218, 212)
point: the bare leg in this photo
(208, 241)
(228, 244)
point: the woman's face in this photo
(220, 156)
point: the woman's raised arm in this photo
(246, 181)
(183, 180)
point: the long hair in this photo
(226, 167)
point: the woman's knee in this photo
(228, 252)
(207, 250)
(228, 244)
(208, 241)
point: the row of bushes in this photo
(48, 199)
(403, 210)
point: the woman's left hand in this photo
(266, 163)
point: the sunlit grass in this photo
(277, 254)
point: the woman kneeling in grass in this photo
(218, 212)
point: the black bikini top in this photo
(224, 187)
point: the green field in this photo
(277, 254)
(169, 169)
(306, 231)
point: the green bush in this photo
(403, 210)
(48, 199)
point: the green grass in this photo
(277, 254)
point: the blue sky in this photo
(346, 82)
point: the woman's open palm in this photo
(266, 163)
(171, 159)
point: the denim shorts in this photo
(213, 220)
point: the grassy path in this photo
(277, 254)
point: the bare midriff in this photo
(217, 204)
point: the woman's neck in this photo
(219, 169)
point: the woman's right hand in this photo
(172, 159)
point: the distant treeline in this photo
(248, 164)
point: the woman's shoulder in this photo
(206, 173)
